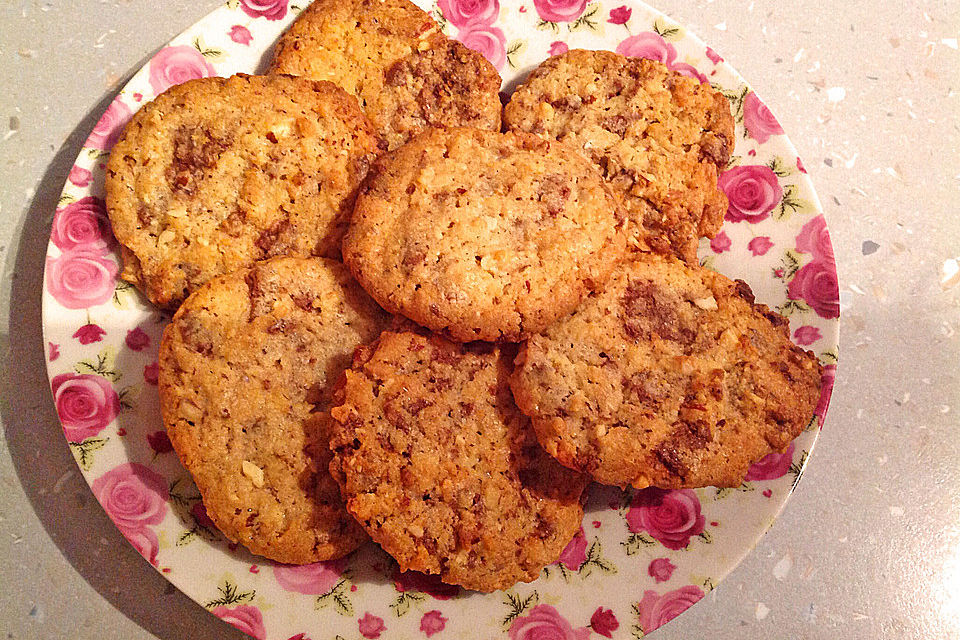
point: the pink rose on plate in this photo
(86, 404)
(159, 441)
(816, 284)
(53, 352)
(558, 47)
(753, 192)
(199, 513)
(670, 516)
(545, 623)
(720, 243)
(771, 466)
(800, 166)
(461, 13)
(79, 176)
(713, 56)
(151, 373)
(175, 65)
(574, 554)
(690, 71)
(806, 335)
(760, 245)
(486, 40)
(648, 45)
(620, 15)
(269, 9)
(81, 278)
(661, 569)
(240, 34)
(657, 610)
(428, 584)
(311, 579)
(604, 622)
(145, 541)
(82, 225)
(371, 626)
(244, 617)
(826, 390)
(758, 120)
(559, 10)
(137, 339)
(815, 239)
(89, 333)
(133, 496)
(432, 622)
(107, 130)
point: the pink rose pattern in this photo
(269, 9)
(312, 579)
(604, 622)
(559, 10)
(82, 225)
(661, 569)
(720, 242)
(575, 553)
(652, 46)
(806, 335)
(826, 390)
(134, 497)
(85, 403)
(816, 284)
(159, 441)
(177, 64)
(753, 191)
(107, 130)
(432, 622)
(89, 333)
(151, 373)
(671, 517)
(240, 35)
(758, 120)
(137, 339)
(486, 40)
(428, 584)
(244, 617)
(371, 626)
(771, 466)
(461, 13)
(656, 610)
(545, 623)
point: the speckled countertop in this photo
(868, 546)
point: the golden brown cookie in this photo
(217, 173)
(443, 471)
(671, 377)
(391, 55)
(483, 235)
(246, 370)
(659, 138)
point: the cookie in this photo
(671, 377)
(391, 55)
(483, 235)
(218, 173)
(246, 372)
(658, 137)
(442, 470)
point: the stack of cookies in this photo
(406, 313)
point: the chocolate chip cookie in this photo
(391, 55)
(442, 470)
(246, 371)
(658, 137)
(217, 173)
(483, 235)
(671, 377)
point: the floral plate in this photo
(640, 559)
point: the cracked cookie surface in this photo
(440, 467)
(218, 173)
(392, 56)
(659, 138)
(671, 377)
(246, 374)
(483, 235)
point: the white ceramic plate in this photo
(642, 557)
